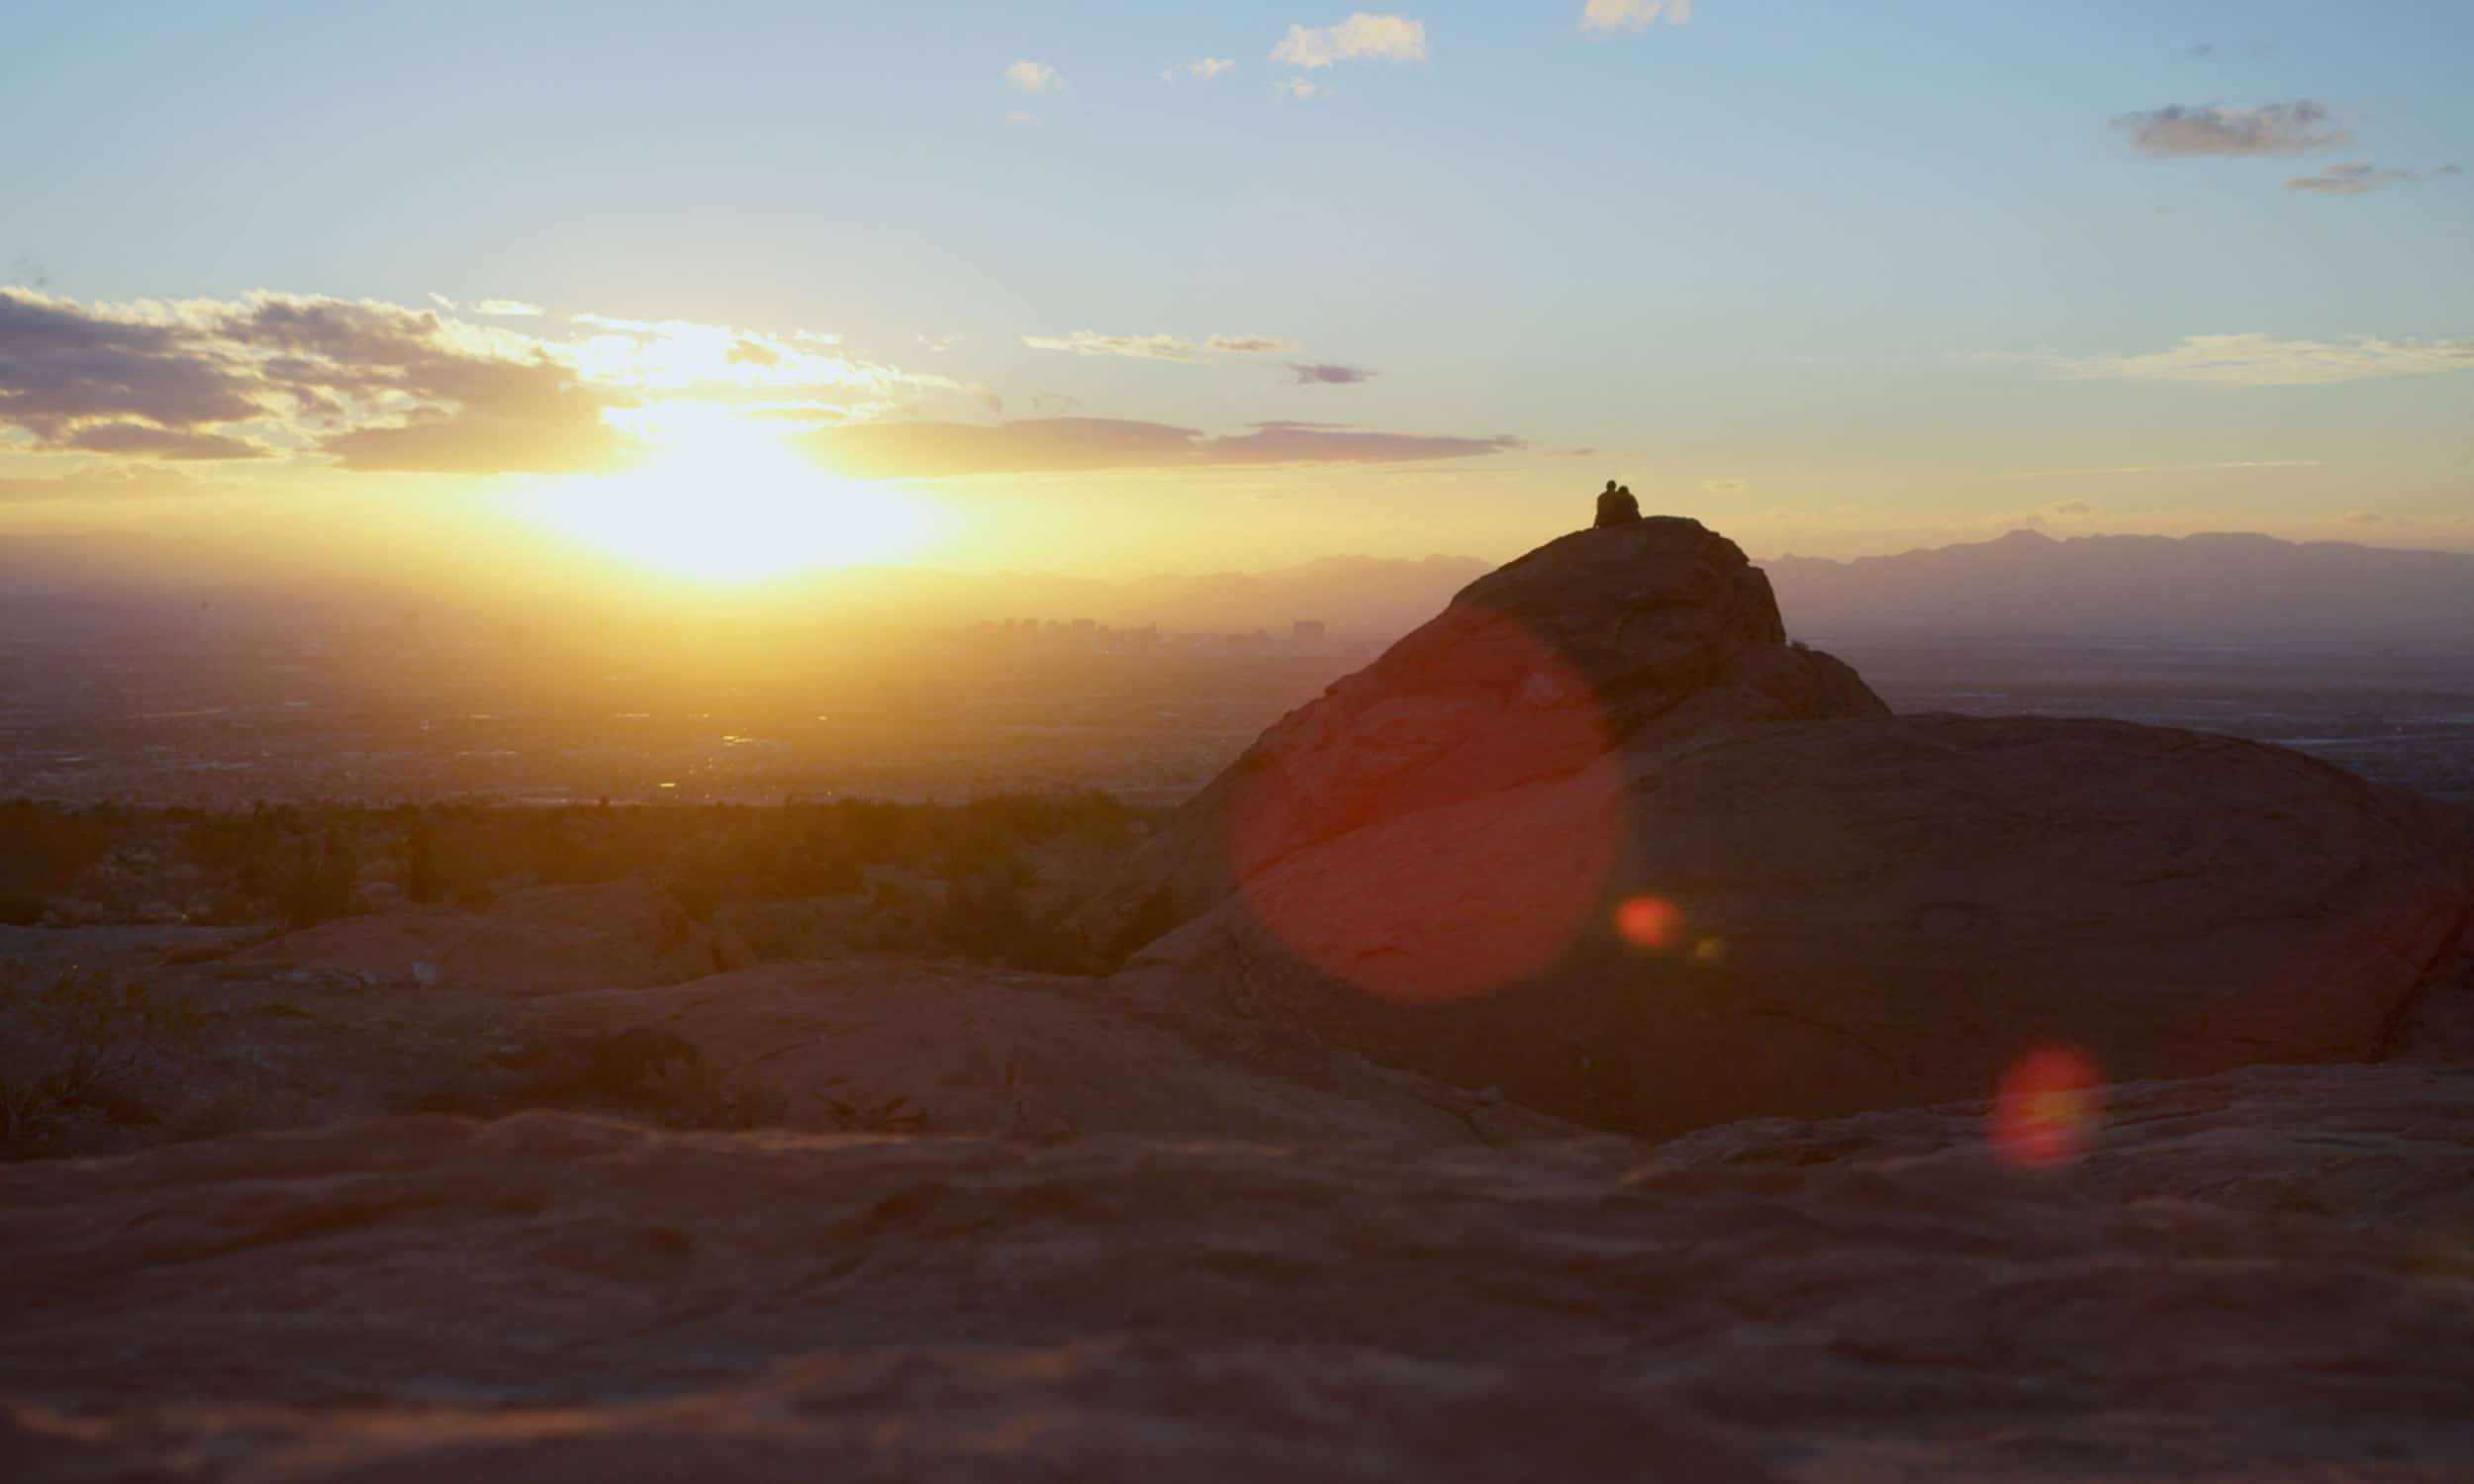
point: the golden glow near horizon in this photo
(724, 498)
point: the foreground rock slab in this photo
(1598, 836)
(2262, 1276)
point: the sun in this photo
(726, 500)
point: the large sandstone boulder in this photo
(1615, 637)
(1625, 855)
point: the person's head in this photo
(1610, 487)
(1626, 490)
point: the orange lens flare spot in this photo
(2045, 1110)
(1648, 922)
(1441, 848)
(1710, 949)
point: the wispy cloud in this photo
(1633, 15)
(1021, 119)
(1028, 76)
(1157, 347)
(1248, 344)
(2261, 360)
(1201, 68)
(1062, 445)
(1328, 373)
(1303, 89)
(2355, 178)
(1723, 486)
(1160, 347)
(1361, 36)
(513, 308)
(2271, 129)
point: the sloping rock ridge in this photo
(1598, 837)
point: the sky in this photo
(725, 291)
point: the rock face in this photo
(2256, 1277)
(1597, 836)
(1615, 637)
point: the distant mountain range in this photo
(2204, 587)
(2214, 587)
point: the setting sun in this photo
(725, 498)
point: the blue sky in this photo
(1879, 273)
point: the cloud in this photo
(1203, 69)
(2069, 510)
(376, 385)
(2259, 360)
(2271, 129)
(1723, 486)
(746, 352)
(509, 308)
(1326, 373)
(1394, 39)
(144, 440)
(1248, 344)
(2365, 517)
(2355, 178)
(1633, 15)
(62, 364)
(938, 344)
(2450, 170)
(2201, 51)
(1061, 445)
(1303, 89)
(1053, 404)
(1160, 347)
(1033, 77)
(1157, 347)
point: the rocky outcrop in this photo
(1597, 836)
(1611, 638)
(2262, 1275)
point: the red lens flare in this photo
(2047, 1108)
(1447, 838)
(1648, 922)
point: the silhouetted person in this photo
(1616, 505)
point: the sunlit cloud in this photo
(375, 386)
(1303, 89)
(2271, 129)
(1201, 68)
(1633, 15)
(144, 440)
(1158, 348)
(1361, 36)
(1250, 345)
(2355, 178)
(2259, 361)
(1033, 77)
(1723, 486)
(1060, 445)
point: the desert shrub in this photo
(318, 886)
(44, 850)
(78, 1046)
